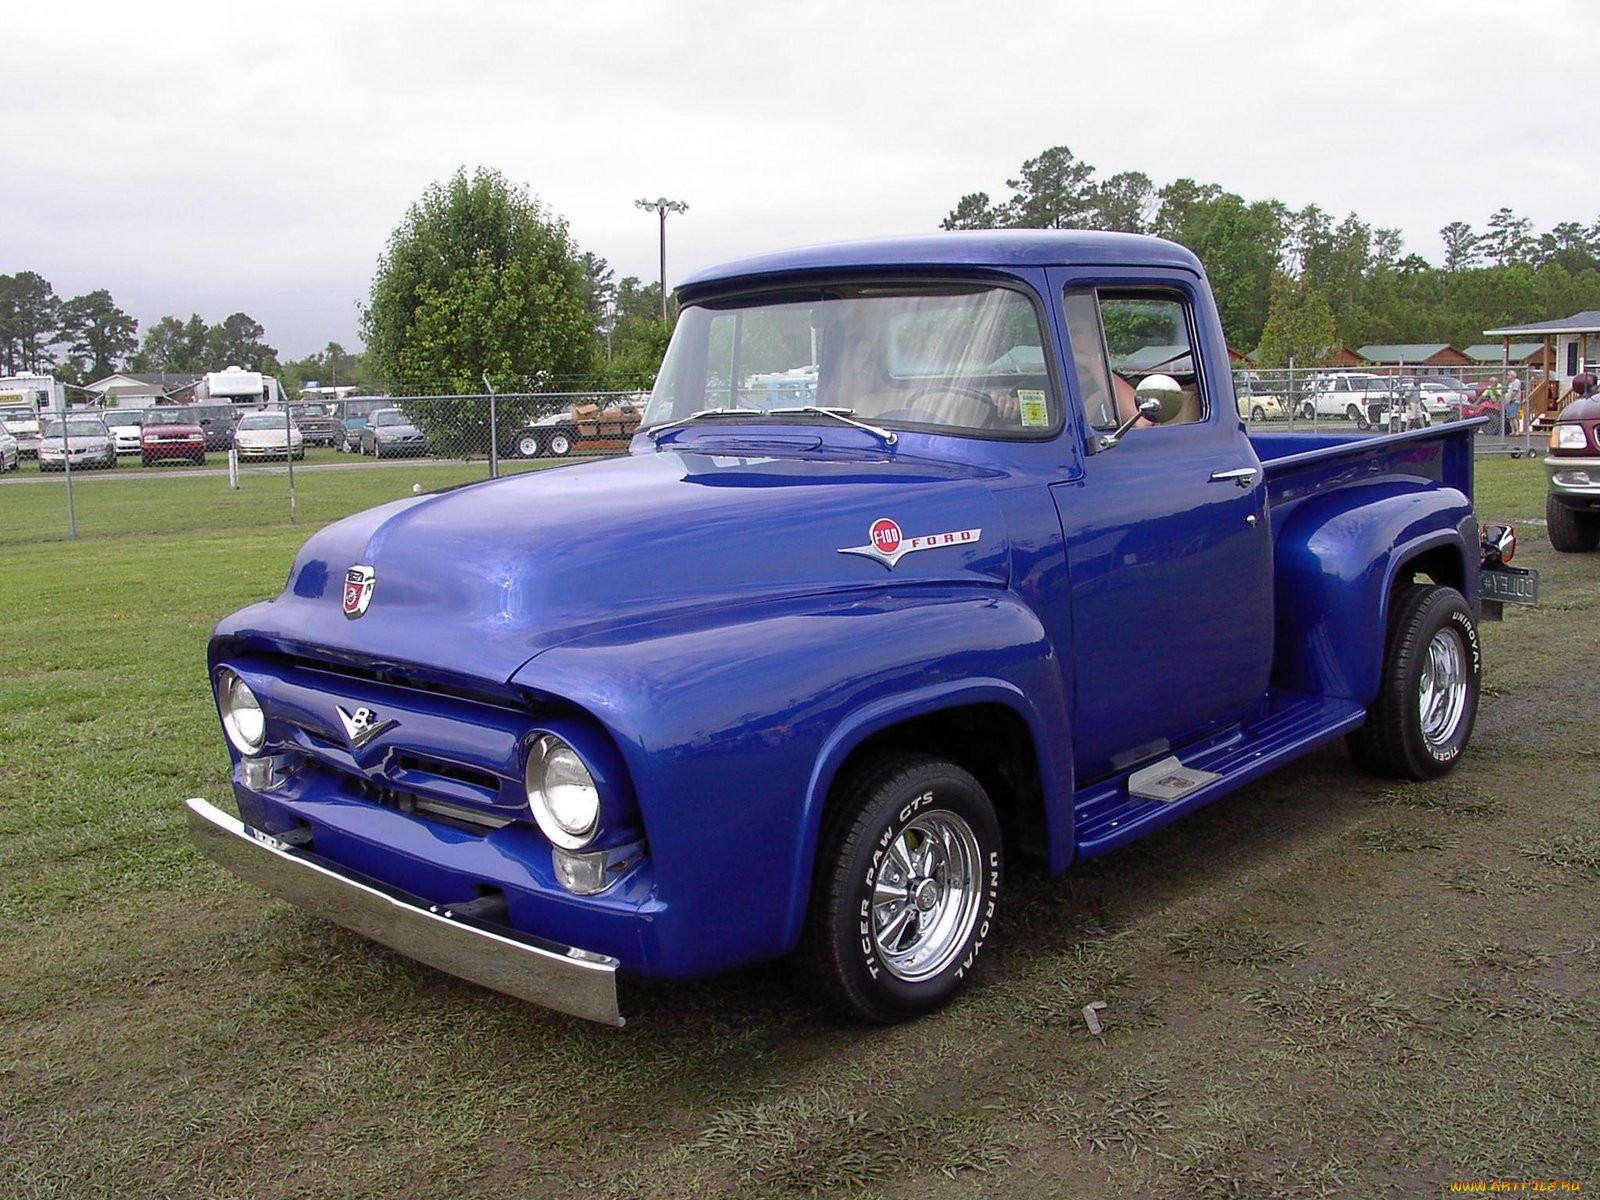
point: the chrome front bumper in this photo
(1576, 479)
(562, 978)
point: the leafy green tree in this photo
(1054, 191)
(1125, 203)
(97, 334)
(1570, 246)
(1510, 238)
(478, 280)
(600, 291)
(973, 211)
(173, 345)
(1300, 326)
(237, 342)
(1179, 205)
(30, 315)
(1462, 247)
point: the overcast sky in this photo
(214, 158)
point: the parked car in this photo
(79, 441)
(267, 434)
(216, 422)
(1357, 396)
(10, 456)
(1259, 403)
(1572, 497)
(23, 424)
(318, 423)
(389, 432)
(349, 436)
(171, 433)
(1442, 398)
(125, 425)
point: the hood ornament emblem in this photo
(362, 725)
(359, 583)
(888, 545)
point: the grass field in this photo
(1322, 986)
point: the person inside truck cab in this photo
(1109, 396)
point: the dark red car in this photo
(171, 433)
(1572, 502)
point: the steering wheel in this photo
(912, 410)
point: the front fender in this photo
(1338, 556)
(733, 729)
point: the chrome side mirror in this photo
(1159, 399)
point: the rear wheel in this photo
(561, 443)
(906, 890)
(1308, 410)
(528, 445)
(1360, 418)
(1428, 693)
(1571, 531)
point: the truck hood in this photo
(478, 580)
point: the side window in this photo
(1082, 311)
(1121, 336)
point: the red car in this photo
(1572, 500)
(171, 433)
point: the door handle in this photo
(1243, 476)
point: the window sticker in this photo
(1035, 413)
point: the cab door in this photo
(1168, 552)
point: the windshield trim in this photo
(747, 293)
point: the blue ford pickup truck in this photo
(1002, 575)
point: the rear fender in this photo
(1339, 557)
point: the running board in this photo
(1107, 816)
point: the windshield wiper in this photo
(846, 415)
(838, 414)
(655, 431)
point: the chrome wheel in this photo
(1442, 698)
(907, 891)
(926, 898)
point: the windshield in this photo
(77, 429)
(168, 418)
(127, 418)
(262, 421)
(950, 358)
(389, 417)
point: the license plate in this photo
(1509, 585)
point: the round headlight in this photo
(562, 794)
(242, 718)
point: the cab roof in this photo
(1003, 249)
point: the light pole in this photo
(662, 207)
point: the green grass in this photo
(179, 499)
(1324, 985)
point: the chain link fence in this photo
(305, 464)
(1365, 400)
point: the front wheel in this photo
(1427, 699)
(1360, 418)
(906, 891)
(528, 445)
(1571, 531)
(561, 443)
(1308, 411)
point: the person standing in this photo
(1513, 409)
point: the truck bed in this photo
(1299, 465)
